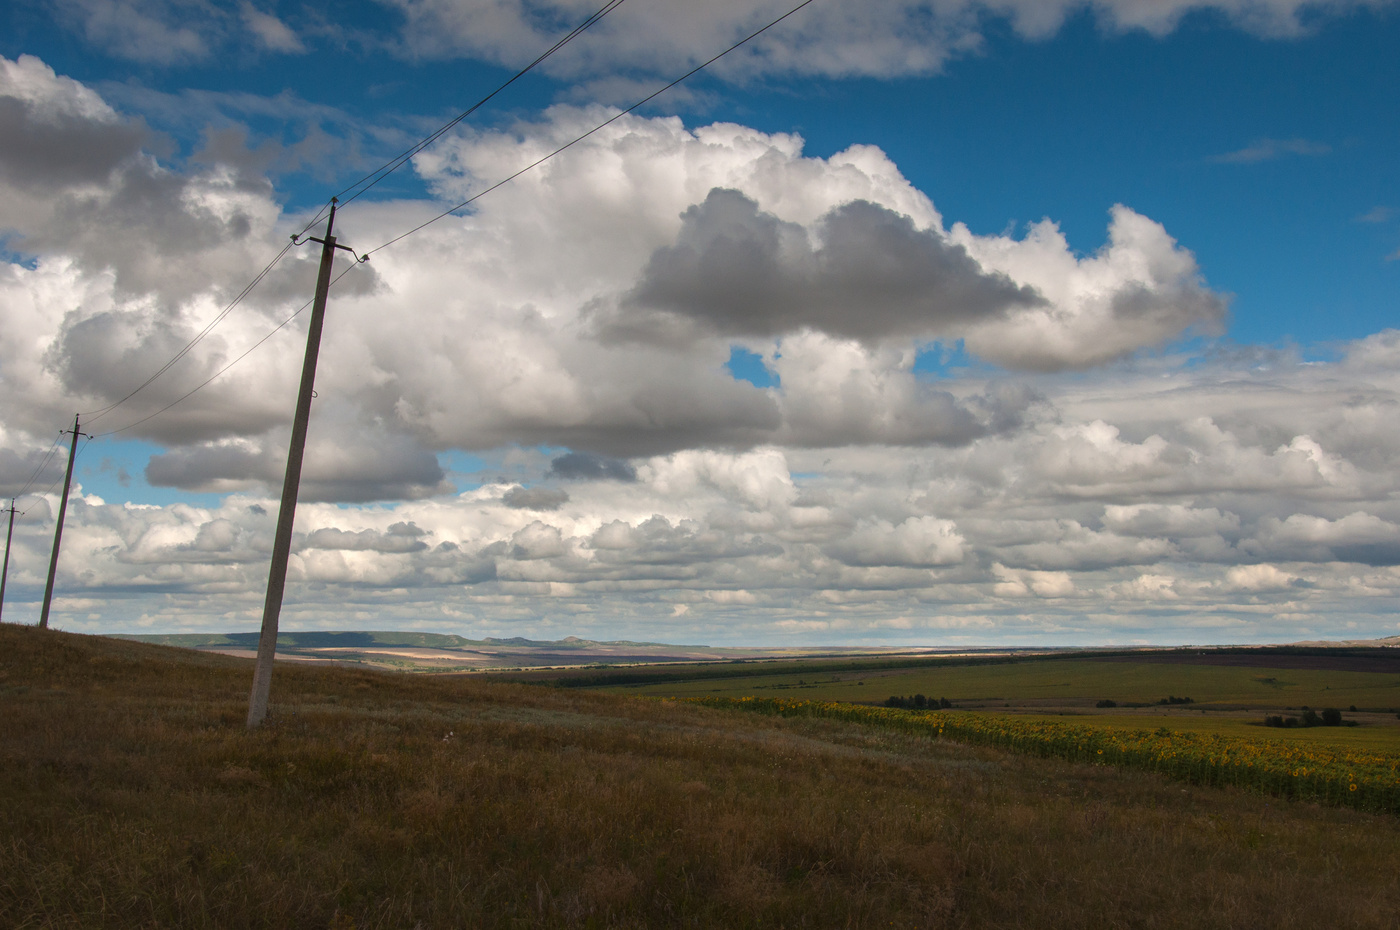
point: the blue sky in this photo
(1271, 158)
(1252, 144)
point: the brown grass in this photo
(131, 796)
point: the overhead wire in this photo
(95, 415)
(617, 116)
(398, 161)
(206, 382)
(44, 463)
(49, 490)
(359, 187)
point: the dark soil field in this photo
(131, 795)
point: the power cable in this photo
(276, 329)
(76, 453)
(645, 100)
(95, 415)
(389, 167)
(370, 180)
(359, 187)
(38, 469)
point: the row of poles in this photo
(286, 514)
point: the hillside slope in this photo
(131, 795)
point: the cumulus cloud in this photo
(1019, 584)
(856, 495)
(1177, 520)
(1139, 290)
(345, 461)
(917, 541)
(582, 466)
(399, 537)
(1258, 578)
(522, 498)
(864, 273)
(867, 273)
(1356, 537)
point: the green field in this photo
(1066, 681)
(1377, 733)
(1226, 700)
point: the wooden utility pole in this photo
(58, 530)
(5, 572)
(286, 514)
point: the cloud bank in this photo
(1078, 482)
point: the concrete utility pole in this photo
(5, 572)
(286, 514)
(58, 530)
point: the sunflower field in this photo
(1367, 781)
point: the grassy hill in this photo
(132, 796)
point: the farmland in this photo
(1064, 682)
(1230, 692)
(132, 796)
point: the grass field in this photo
(132, 796)
(1344, 776)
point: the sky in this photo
(909, 322)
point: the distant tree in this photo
(1331, 717)
(1310, 718)
(1106, 703)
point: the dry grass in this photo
(132, 797)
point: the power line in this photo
(359, 187)
(38, 469)
(49, 490)
(370, 180)
(645, 100)
(99, 414)
(389, 167)
(206, 382)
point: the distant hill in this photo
(415, 651)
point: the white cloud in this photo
(917, 541)
(1018, 584)
(1168, 520)
(48, 96)
(1270, 149)
(881, 38)
(270, 31)
(1356, 537)
(1258, 578)
(624, 480)
(154, 31)
(1140, 289)
(1147, 587)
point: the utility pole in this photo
(5, 572)
(286, 514)
(58, 530)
